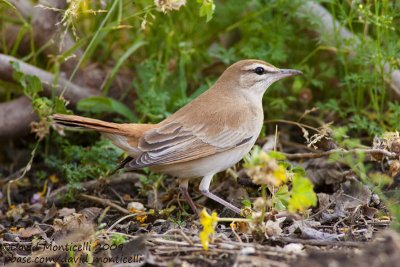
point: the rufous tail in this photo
(88, 123)
(124, 129)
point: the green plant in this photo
(77, 164)
(288, 185)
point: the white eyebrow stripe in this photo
(255, 65)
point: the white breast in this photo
(206, 166)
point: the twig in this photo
(338, 222)
(120, 220)
(235, 234)
(321, 210)
(316, 242)
(184, 236)
(301, 125)
(128, 177)
(26, 169)
(340, 151)
(173, 242)
(104, 202)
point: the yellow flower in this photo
(209, 222)
(280, 175)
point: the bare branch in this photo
(15, 117)
(73, 93)
(340, 151)
(124, 178)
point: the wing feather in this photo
(161, 146)
(210, 124)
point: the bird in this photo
(206, 136)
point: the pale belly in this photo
(205, 166)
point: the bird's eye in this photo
(259, 71)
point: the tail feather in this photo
(124, 135)
(88, 123)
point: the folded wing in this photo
(174, 142)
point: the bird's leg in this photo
(183, 185)
(204, 189)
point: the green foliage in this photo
(78, 164)
(258, 157)
(281, 198)
(302, 194)
(32, 86)
(43, 106)
(135, 46)
(341, 137)
(246, 203)
(272, 169)
(102, 104)
(118, 239)
(207, 9)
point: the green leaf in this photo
(281, 198)
(33, 86)
(299, 170)
(302, 194)
(100, 104)
(297, 84)
(246, 203)
(207, 9)
(119, 63)
(276, 155)
(60, 105)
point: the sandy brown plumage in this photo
(206, 136)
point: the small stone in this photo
(293, 248)
(247, 251)
(136, 206)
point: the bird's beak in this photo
(282, 73)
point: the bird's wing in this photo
(177, 142)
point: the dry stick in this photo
(316, 242)
(301, 125)
(90, 185)
(340, 151)
(74, 93)
(16, 115)
(184, 236)
(26, 169)
(104, 202)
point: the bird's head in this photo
(253, 76)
